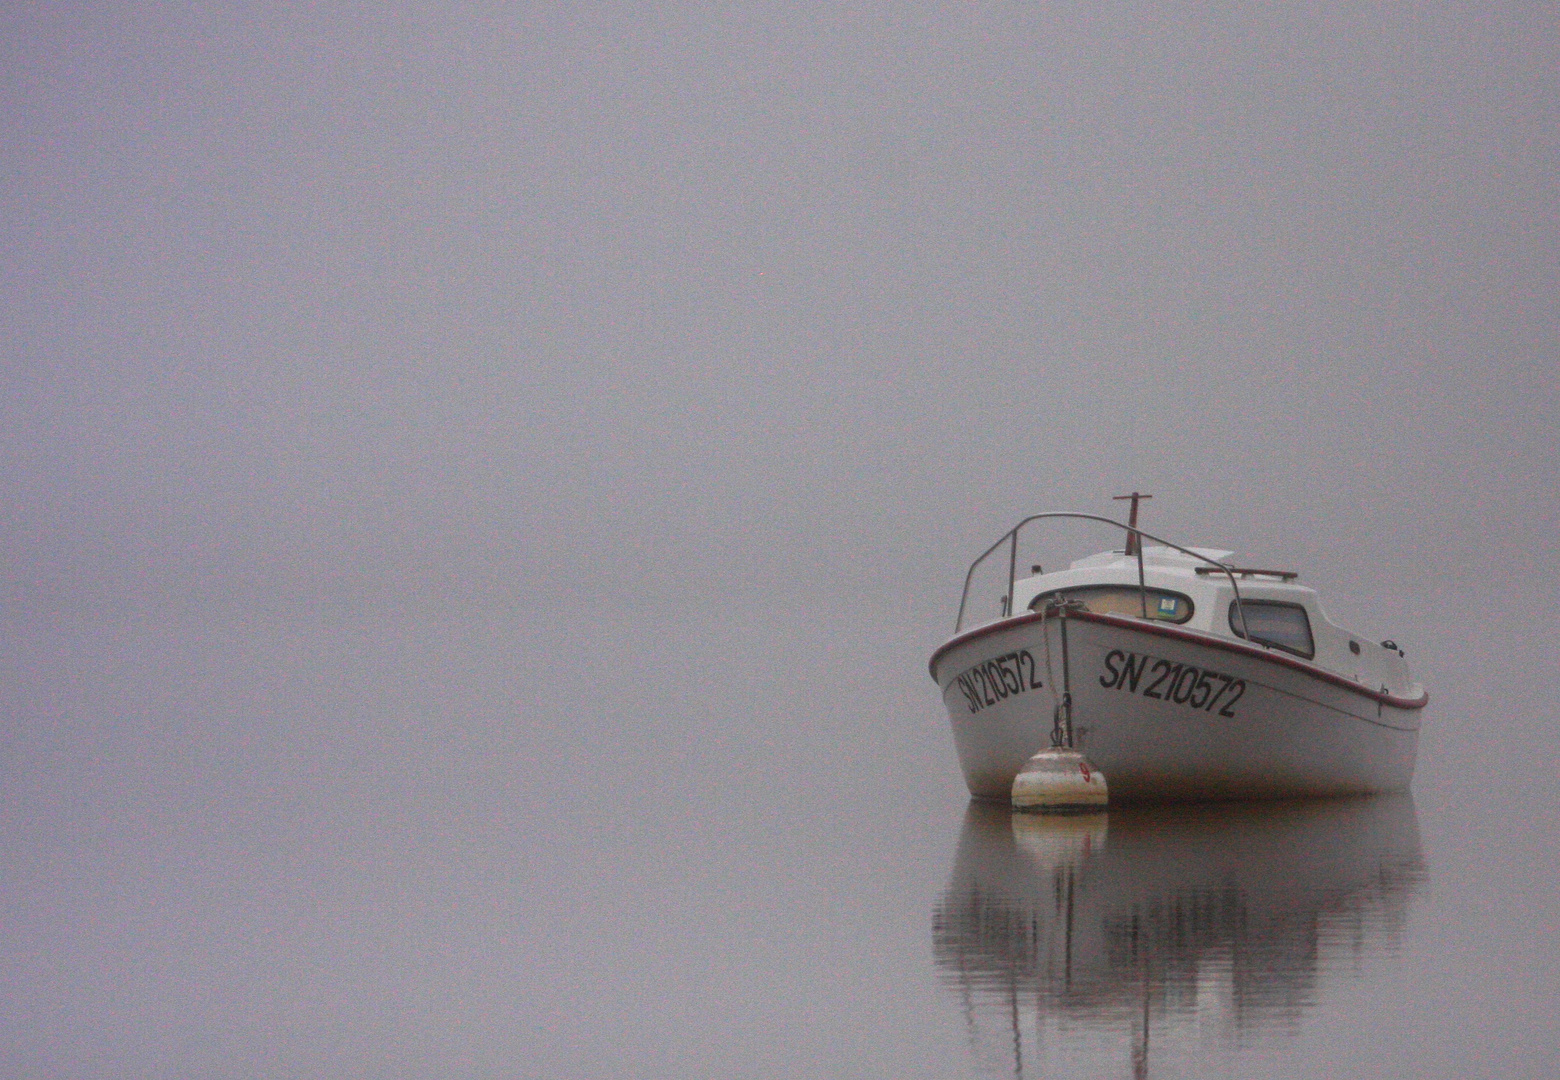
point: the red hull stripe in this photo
(1195, 637)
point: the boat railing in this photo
(1010, 538)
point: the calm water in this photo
(337, 842)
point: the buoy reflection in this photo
(1144, 919)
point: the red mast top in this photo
(1134, 542)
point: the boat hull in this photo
(1168, 713)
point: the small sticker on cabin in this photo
(1167, 605)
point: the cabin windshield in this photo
(1285, 626)
(1123, 600)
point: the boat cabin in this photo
(1181, 590)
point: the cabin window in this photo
(1123, 600)
(1285, 626)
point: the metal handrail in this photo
(1011, 537)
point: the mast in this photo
(1134, 542)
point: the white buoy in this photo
(1059, 780)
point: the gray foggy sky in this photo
(530, 301)
(479, 486)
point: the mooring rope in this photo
(1050, 676)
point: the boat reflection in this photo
(1217, 919)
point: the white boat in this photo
(1180, 675)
